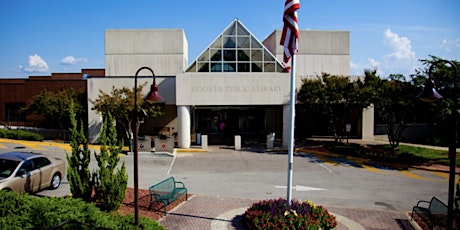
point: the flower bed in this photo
(277, 214)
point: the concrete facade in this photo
(319, 51)
(166, 52)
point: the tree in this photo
(78, 173)
(440, 111)
(54, 106)
(336, 97)
(110, 181)
(120, 103)
(395, 103)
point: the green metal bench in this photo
(167, 191)
(433, 213)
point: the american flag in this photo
(290, 36)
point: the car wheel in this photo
(55, 181)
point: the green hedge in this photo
(29, 212)
(18, 134)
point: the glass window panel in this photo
(229, 55)
(255, 43)
(243, 55)
(192, 68)
(218, 43)
(216, 55)
(229, 42)
(203, 67)
(216, 67)
(268, 57)
(229, 67)
(204, 56)
(256, 55)
(231, 30)
(269, 67)
(256, 67)
(243, 67)
(279, 67)
(242, 31)
(244, 41)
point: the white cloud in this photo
(448, 44)
(36, 64)
(353, 65)
(445, 44)
(373, 62)
(401, 59)
(402, 49)
(70, 60)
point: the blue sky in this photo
(40, 37)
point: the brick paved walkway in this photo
(203, 212)
(200, 211)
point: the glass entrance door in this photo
(222, 124)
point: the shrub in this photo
(20, 135)
(110, 181)
(78, 173)
(277, 214)
(29, 212)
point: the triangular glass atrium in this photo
(236, 50)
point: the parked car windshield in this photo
(7, 167)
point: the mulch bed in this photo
(424, 226)
(156, 213)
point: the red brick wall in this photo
(22, 90)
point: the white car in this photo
(30, 172)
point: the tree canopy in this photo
(55, 107)
(336, 97)
(394, 103)
(120, 103)
(394, 98)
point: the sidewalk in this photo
(204, 212)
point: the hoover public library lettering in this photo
(236, 88)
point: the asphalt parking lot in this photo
(221, 174)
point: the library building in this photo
(235, 87)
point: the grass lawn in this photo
(404, 154)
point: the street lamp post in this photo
(429, 94)
(153, 96)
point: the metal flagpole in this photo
(289, 39)
(291, 132)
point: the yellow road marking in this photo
(28, 144)
(412, 175)
(441, 174)
(446, 176)
(327, 160)
(373, 169)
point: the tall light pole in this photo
(430, 94)
(153, 96)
